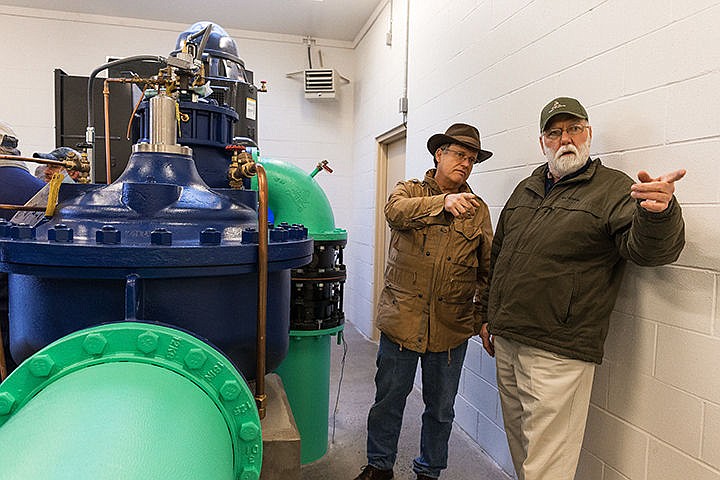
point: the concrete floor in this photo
(346, 455)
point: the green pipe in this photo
(128, 401)
(305, 373)
(295, 197)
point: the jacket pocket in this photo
(461, 284)
(468, 228)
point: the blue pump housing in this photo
(157, 245)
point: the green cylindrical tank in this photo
(128, 401)
(306, 376)
(295, 197)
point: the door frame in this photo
(383, 143)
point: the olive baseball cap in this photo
(561, 105)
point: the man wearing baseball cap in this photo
(437, 266)
(561, 244)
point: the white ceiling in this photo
(327, 19)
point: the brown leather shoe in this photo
(371, 473)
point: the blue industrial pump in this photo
(151, 285)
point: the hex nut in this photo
(6, 403)
(94, 343)
(195, 358)
(41, 365)
(61, 234)
(147, 342)
(22, 231)
(230, 390)
(161, 236)
(210, 236)
(108, 235)
(249, 473)
(249, 431)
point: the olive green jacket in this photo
(437, 266)
(558, 259)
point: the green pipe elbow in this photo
(294, 196)
(128, 401)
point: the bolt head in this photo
(249, 235)
(94, 343)
(249, 473)
(210, 236)
(61, 233)
(147, 342)
(249, 431)
(6, 403)
(108, 235)
(41, 365)
(230, 390)
(22, 231)
(195, 358)
(161, 236)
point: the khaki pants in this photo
(545, 399)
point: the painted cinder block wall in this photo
(648, 71)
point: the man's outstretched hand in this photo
(655, 193)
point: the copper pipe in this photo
(132, 115)
(5, 206)
(262, 288)
(33, 159)
(106, 101)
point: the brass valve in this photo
(241, 166)
(80, 164)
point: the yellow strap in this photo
(53, 194)
(178, 117)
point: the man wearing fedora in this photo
(437, 267)
(560, 248)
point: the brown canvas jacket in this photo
(437, 266)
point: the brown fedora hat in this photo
(462, 134)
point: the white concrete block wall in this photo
(378, 87)
(648, 72)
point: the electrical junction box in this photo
(320, 83)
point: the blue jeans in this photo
(394, 382)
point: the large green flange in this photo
(128, 400)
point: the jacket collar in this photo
(536, 181)
(430, 181)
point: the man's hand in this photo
(463, 205)
(655, 193)
(487, 340)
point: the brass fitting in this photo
(241, 166)
(79, 164)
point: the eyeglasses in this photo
(462, 156)
(572, 130)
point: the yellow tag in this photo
(53, 192)
(177, 116)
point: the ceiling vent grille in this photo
(320, 83)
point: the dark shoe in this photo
(425, 477)
(371, 473)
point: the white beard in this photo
(561, 164)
